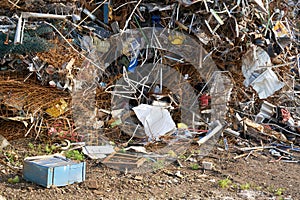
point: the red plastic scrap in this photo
(286, 115)
(204, 100)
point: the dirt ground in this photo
(254, 177)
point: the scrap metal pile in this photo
(163, 75)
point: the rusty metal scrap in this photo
(79, 46)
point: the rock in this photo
(30, 189)
(97, 192)
(92, 184)
(178, 174)
(249, 194)
(175, 180)
(207, 165)
(53, 186)
(3, 142)
(138, 178)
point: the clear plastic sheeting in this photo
(267, 84)
(221, 87)
(257, 74)
(154, 81)
(254, 62)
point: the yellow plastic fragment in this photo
(58, 109)
(176, 39)
(280, 30)
(182, 126)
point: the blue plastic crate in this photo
(53, 171)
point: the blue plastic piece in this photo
(53, 171)
(105, 12)
(155, 19)
(132, 65)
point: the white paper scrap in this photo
(267, 84)
(157, 121)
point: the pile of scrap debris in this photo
(152, 77)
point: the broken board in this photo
(123, 161)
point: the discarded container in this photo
(97, 152)
(254, 62)
(53, 170)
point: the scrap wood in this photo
(123, 160)
(256, 148)
(266, 131)
(252, 152)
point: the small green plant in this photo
(235, 186)
(158, 164)
(224, 183)
(39, 150)
(221, 142)
(16, 179)
(279, 191)
(182, 156)
(74, 155)
(50, 149)
(194, 166)
(172, 154)
(245, 186)
(32, 149)
(271, 189)
(11, 157)
(123, 150)
(195, 152)
(30, 145)
(258, 188)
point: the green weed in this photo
(50, 148)
(158, 164)
(74, 155)
(30, 145)
(194, 166)
(279, 191)
(245, 186)
(182, 156)
(16, 179)
(224, 183)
